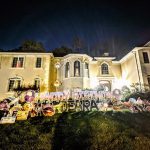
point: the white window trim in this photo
(147, 55)
(18, 67)
(65, 70)
(101, 69)
(86, 70)
(41, 62)
(15, 78)
(79, 68)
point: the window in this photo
(76, 68)
(38, 62)
(67, 67)
(86, 69)
(104, 69)
(14, 83)
(37, 83)
(148, 79)
(17, 62)
(145, 57)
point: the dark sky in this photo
(116, 26)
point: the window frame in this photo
(18, 57)
(86, 69)
(145, 57)
(77, 67)
(148, 81)
(67, 70)
(36, 63)
(39, 82)
(104, 71)
(14, 86)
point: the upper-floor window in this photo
(67, 68)
(38, 62)
(145, 57)
(104, 69)
(17, 62)
(14, 83)
(86, 69)
(76, 68)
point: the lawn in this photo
(79, 130)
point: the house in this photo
(74, 71)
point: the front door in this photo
(104, 85)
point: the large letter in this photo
(71, 105)
(93, 105)
(86, 104)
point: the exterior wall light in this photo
(57, 83)
(57, 65)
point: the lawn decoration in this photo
(13, 111)
(28, 106)
(48, 110)
(5, 120)
(22, 115)
(4, 105)
(29, 96)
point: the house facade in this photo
(73, 71)
(24, 69)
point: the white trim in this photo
(65, 69)
(42, 60)
(104, 62)
(19, 56)
(25, 53)
(105, 58)
(80, 67)
(76, 55)
(15, 79)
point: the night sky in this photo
(116, 26)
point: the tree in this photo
(62, 51)
(1, 50)
(30, 46)
(78, 44)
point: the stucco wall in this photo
(129, 70)
(28, 73)
(145, 67)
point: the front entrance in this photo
(104, 85)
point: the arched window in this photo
(76, 68)
(67, 68)
(104, 69)
(86, 69)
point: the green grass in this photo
(79, 130)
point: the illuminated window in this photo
(86, 69)
(14, 83)
(104, 69)
(145, 57)
(67, 68)
(38, 62)
(76, 68)
(17, 62)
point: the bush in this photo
(145, 95)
